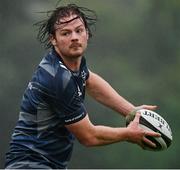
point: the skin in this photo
(70, 42)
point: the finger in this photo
(151, 133)
(149, 143)
(137, 117)
(150, 107)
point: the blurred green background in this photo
(135, 48)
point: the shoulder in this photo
(52, 73)
(50, 64)
(53, 66)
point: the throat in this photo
(72, 63)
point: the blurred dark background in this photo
(135, 47)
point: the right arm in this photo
(84, 130)
(97, 135)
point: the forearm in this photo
(105, 94)
(97, 135)
(106, 135)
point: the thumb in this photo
(137, 117)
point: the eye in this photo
(80, 30)
(65, 33)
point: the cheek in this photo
(84, 39)
(62, 43)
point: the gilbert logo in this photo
(161, 121)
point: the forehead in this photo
(71, 21)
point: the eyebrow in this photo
(65, 29)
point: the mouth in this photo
(75, 45)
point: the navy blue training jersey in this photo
(54, 98)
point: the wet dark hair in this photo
(47, 26)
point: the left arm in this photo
(102, 91)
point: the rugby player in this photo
(53, 113)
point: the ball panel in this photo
(157, 121)
(164, 141)
(160, 143)
(150, 120)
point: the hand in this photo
(138, 135)
(130, 116)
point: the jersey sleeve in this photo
(69, 104)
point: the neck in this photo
(73, 62)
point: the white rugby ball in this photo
(150, 120)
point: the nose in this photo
(74, 36)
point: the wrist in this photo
(127, 134)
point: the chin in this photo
(76, 54)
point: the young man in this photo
(52, 110)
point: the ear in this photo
(53, 40)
